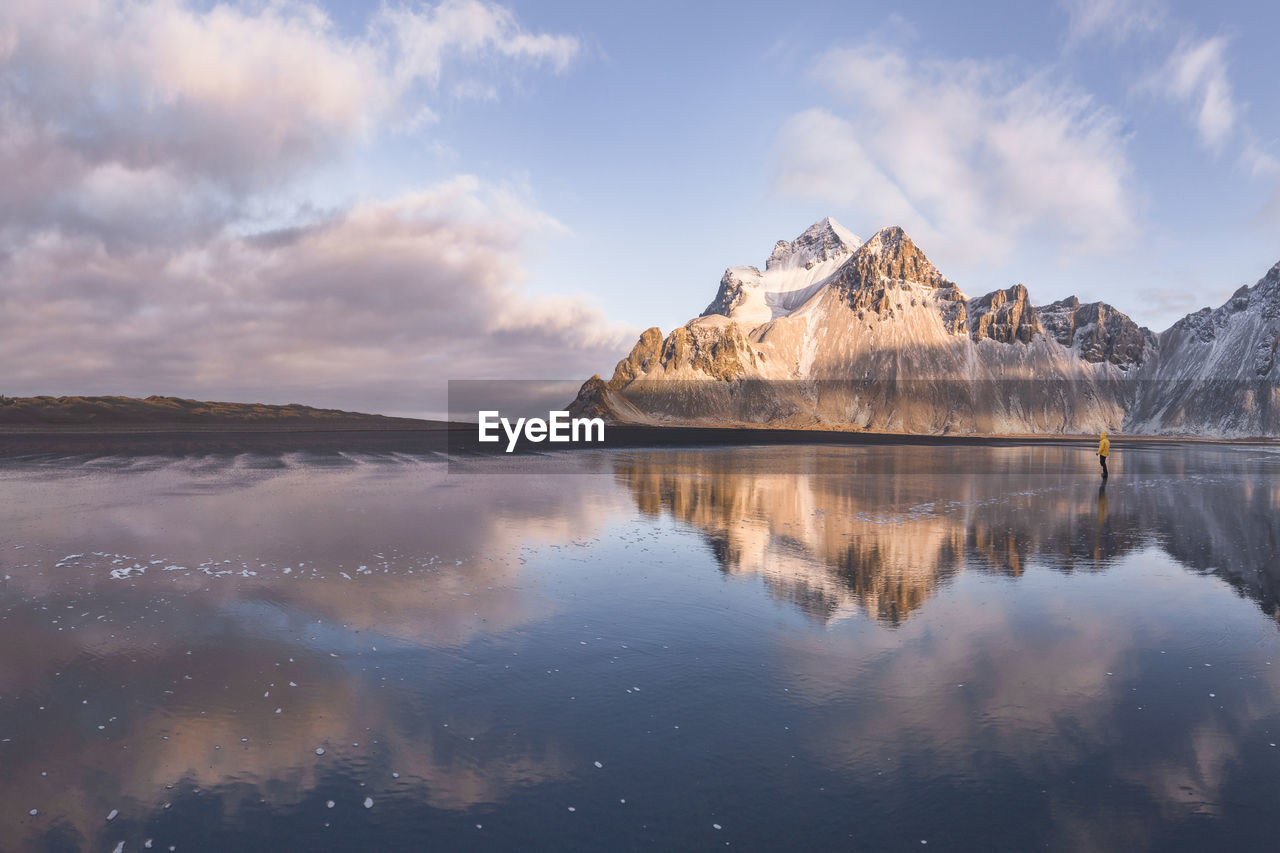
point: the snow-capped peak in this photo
(821, 241)
(794, 273)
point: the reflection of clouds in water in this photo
(1046, 685)
(174, 709)
(402, 548)
(379, 553)
(195, 509)
(181, 722)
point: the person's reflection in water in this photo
(1101, 539)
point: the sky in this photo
(348, 204)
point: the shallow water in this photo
(768, 648)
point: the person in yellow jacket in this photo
(1104, 447)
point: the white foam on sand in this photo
(131, 572)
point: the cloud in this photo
(101, 100)
(374, 307)
(141, 146)
(824, 159)
(1192, 74)
(966, 155)
(1196, 74)
(419, 41)
(1114, 21)
(1258, 161)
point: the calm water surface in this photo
(832, 648)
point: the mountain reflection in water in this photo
(878, 529)
(834, 646)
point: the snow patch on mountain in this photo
(794, 272)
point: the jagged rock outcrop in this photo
(591, 401)
(597, 400)
(1005, 316)
(1097, 332)
(889, 256)
(732, 292)
(644, 355)
(716, 352)
(719, 352)
(841, 334)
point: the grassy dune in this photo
(115, 413)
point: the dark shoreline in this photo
(182, 440)
(647, 436)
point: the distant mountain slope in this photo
(132, 412)
(841, 334)
(1216, 370)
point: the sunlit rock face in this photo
(840, 334)
(1005, 316)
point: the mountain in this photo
(1216, 371)
(836, 333)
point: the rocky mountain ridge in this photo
(841, 334)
